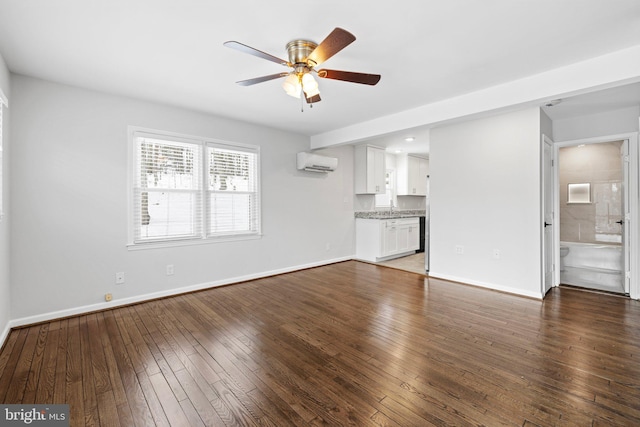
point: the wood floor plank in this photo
(11, 358)
(170, 404)
(46, 382)
(345, 344)
(73, 371)
(198, 399)
(91, 415)
(20, 374)
(136, 401)
(110, 364)
(59, 391)
(155, 405)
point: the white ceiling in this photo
(425, 50)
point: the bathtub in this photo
(597, 256)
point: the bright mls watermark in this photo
(34, 415)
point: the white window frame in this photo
(4, 103)
(202, 235)
(388, 199)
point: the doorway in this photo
(593, 208)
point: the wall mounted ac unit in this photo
(316, 163)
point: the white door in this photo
(548, 243)
(626, 276)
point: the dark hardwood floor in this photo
(346, 344)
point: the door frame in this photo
(632, 204)
(554, 230)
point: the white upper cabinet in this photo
(370, 170)
(412, 172)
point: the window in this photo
(188, 189)
(386, 200)
(3, 103)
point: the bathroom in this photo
(592, 206)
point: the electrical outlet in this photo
(120, 278)
(459, 249)
(170, 270)
(496, 254)
(108, 297)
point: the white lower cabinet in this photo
(380, 239)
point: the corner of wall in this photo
(5, 261)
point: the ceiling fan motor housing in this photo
(299, 51)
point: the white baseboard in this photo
(5, 333)
(493, 286)
(146, 297)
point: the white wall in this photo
(5, 257)
(603, 124)
(69, 190)
(485, 195)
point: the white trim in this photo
(190, 242)
(3, 99)
(167, 293)
(555, 227)
(5, 333)
(465, 281)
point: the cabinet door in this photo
(369, 170)
(390, 245)
(378, 171)
(413, 237)
(403, 238)
(413, 175)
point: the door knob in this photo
(620, 222)
(546, 224)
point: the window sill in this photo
(190, 242)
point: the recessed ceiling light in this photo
(398, 151)
(410, 139)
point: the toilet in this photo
(564, 250)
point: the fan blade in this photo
(255, 52)
(261, 79)
(348, 76)
(313, 99)
(334, 43)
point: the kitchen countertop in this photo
(386, 214)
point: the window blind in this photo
(233, 198)
(186, 189)
(167, 192)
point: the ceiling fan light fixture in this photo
(310, 85)
(304, 56)
(292, 85)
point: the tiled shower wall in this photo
(601, 166)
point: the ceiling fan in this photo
(304, 56)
